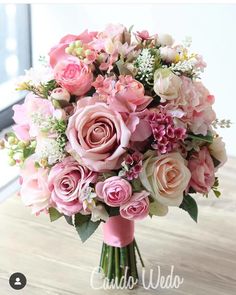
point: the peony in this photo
(23, 115)
(137, 207)
(98, 136)
(202, 168)
(34, 189)
(115, 191)
(67, 180)
(165, 177)
(73, 75)
(166, 84)
(218, 151)
(129, 95)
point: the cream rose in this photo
(218, 151)
(166, 84)
(165, 177)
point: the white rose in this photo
(166, 177)
(218, 151)
(166, 84)
(165, 40)
(60, 94)
(168, 54)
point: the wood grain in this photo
(55, 262)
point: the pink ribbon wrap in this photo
(118, 231)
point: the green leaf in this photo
(112, 211)
(208, 138)
(69, 219)
(106, 175)
(54, 214)
(136, 185)
(153, 209)
(217, 193)
(215, 161)
(86, 229)
(80, 219)
(190, 205)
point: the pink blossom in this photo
(202, 169)
(115, 191)
(134, 163)
(137, 207)
(167, 137)
(98, 136)
(67, 180)
(74, 75)
(34, 189)
(144, 36)
(104, 87)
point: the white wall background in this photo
(212, 27)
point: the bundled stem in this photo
(119, 265)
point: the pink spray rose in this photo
(97, 135)
(129, 95)
(67, 180)
(203, 172)
(25, 127)
(137, 207)
(115, 191)
(73, 75)
(34, 186)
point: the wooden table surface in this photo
(55, 262)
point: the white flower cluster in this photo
(188, 66)
(45, 123)
(49, 149)
(145, 63)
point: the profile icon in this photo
(17, 281)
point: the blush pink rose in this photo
(34, 189)
(58, 53)
(129, 95)
(115, 191)
(67, 180)
(73, 75)
(98, 136)
(25, 127)
(137, 207)
(203, 172)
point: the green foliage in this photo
(48, 87)
(207, 138)
(136, 185)
(190, 205)
(54, 214)
(112, 211)
(84, 226)
(215, 188)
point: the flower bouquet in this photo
(116, 127)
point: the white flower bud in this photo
(60, 94)
(165, 40)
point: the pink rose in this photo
(129, 95)
(115, 191)
(137, 207)
(73, 75)
(202, 168)
(67, 180)
(34, 189)
(97, 135)
(58, 53)
(25, 126)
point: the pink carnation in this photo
(137, 207)
(115, 191)
(203, 172)
(67, 180)
(74, 75)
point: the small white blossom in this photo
(145, 63)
